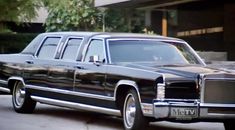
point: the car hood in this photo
(184, 71)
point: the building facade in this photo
(206, 25)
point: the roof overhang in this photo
(103, 3)
(142, 4)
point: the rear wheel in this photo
(132, 114)
(229, 125)
(21, 100)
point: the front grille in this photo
(219, 91)
(181, 90)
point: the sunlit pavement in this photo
(55, 118)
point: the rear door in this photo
(61, 74)
(36, 70)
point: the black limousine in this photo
(143, 78)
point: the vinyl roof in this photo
(112, 35)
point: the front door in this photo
(90, 77)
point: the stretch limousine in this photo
(143, 78)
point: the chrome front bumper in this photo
(191, 109)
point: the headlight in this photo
(160, 91)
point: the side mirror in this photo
(95, 59)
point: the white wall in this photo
(42, 15)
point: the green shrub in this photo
(15, 43)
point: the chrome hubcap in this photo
(19, 94)
(130, 110)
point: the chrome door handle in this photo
(79, 67)
(29, 61)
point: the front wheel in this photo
(132, 114)
(21, 100)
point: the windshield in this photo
(162, 53)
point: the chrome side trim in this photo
(77, 105)
(71, 92)
(3, 81)
(7, 90)
(4, 89)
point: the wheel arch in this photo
(121, 90)
(12, 80)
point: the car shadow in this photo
(88, 118)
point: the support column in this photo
(147, 17)
(229, 30)
(164, 23)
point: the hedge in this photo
(15, 43)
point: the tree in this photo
(124, 20)
(116, 21)
(18, 11)
(72, 15)
(80, 15)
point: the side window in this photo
(71, 49)
(48, 48)
(96, 47)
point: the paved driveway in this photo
(55, 118)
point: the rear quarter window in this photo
(33, 45)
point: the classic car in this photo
(143, 78)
